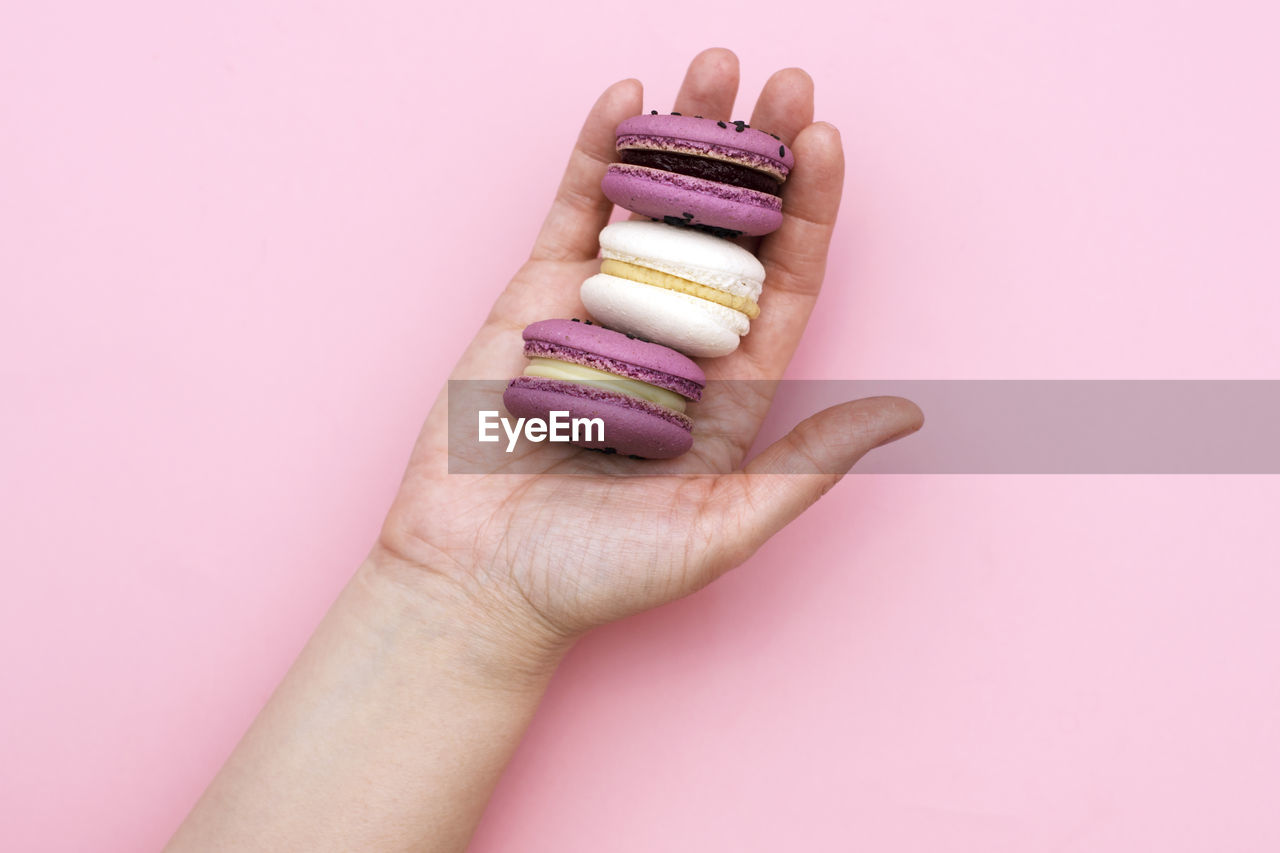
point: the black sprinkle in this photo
(739, 126)
(575, 320)
(687, 215)
(588, 323)
(716, 231)
(653, 112)
(630, 337)
(722, 124)
(697, 116)
(675, 114)
(782, 151)
(709, 229)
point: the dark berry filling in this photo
(704, 167)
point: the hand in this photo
(538, 559)
(392, 727)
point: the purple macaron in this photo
(722, 176)
(632, 426)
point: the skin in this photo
(392, 727)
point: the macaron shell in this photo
(691, 201)
(616, 352)
(705, 131)
(691, 325)
(686, 254)
(631, 427)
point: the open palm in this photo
(568, 543)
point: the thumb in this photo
(797, 469)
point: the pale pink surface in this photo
(225, 241)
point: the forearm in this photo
(388, 733)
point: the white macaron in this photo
(682, 288)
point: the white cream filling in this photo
(733, 284)
(551, 368)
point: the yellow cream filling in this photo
(644, 275)
(550, 368)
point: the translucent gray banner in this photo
(972, 427)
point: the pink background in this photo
(241, 245)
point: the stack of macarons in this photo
(667, 289)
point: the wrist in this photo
(407, 702)
(488, 641)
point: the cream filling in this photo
(657, 278)
(551, 368)
(738, 284)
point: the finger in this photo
(710, 85)
(794, 257)
(580, 209)
(785, 105)
(784, 108)
(751, 505)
